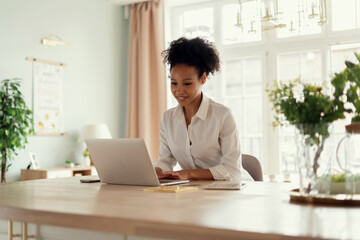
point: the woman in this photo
(200, 134)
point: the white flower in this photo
(298, 92)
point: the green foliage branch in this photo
(308, 107)
(347, 86)
(16, 122)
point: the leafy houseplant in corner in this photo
(15, 120)
(311, 111)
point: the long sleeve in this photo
(166, 161)
(230, 167)
(210, 141)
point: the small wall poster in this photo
(48, 98)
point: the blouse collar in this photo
(201, 113)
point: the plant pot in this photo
(86, 161)
(353, 128)
(349, 162)
(315, 151)
(69, 165)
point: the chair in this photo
(253, 166)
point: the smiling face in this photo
(186, 85)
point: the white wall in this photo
(95, 79)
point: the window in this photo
(252, 59)
(235, 34)
(345, 14)
(242, 92)
(198, 23)
(296, 25)
(305, 65)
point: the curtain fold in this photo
(147, 80)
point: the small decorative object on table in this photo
(69, 164)
(86, 158)
(311, 111)
(92, 131)
(34, 161)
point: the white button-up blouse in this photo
(211, 141)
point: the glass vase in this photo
(86, 161)
(349, 162)
(315, 152)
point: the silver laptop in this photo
(124, 161)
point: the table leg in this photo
(10, 231)
(24, 231)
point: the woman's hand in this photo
(160, 173)
(193, 174)
(178, 175)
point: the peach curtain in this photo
(147, 80)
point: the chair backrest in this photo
(253, 166)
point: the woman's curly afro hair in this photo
(196, 52)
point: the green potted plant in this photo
(16, 123)
(69, 164)
(348, 82)
(350, 91)
(311, 111)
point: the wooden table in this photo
(260, 211)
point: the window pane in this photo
(295, 15)
(233, 76)
(236, 107)
(288, 67)
(253, 115)
(358, 14)
(209, 89)
(343, 14)
(252, 75)
(235, 34)
(199, 23)
(288, 153)
(310, 66)
(240, 72)
(252, 146)
(306, 65)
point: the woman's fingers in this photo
(170, 174)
